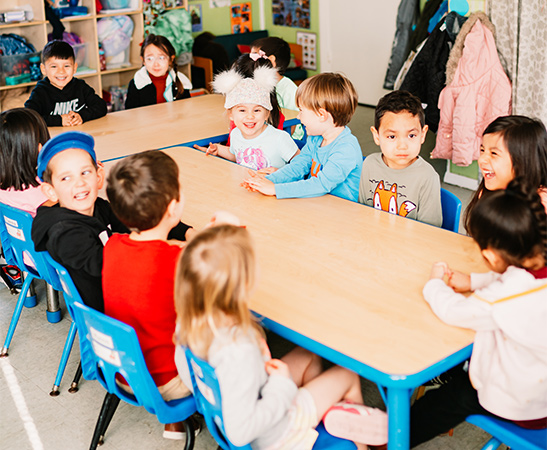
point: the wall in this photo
(217, 21)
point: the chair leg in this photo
(64, 359)
(74, 386)
(16, 314)
(110, 403)
(189, 427)
(30, 300)
(53, 311)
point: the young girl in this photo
(266, 402)
(253, 143)
(508, 311)
(512, 147)
(22, 134)
(158, 81)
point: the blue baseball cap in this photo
(64, 141)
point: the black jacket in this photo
(147, 95)
(50, 102)
(76, 241)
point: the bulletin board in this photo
(241, 18)
(291, 13)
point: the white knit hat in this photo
(239, 90)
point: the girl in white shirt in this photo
(268, 403)
(508, 311)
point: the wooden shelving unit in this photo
(36, 32)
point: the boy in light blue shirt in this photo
(331, 160)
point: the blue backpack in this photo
(13, 44)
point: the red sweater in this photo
(138, 287)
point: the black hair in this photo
(57, 49)
(396, 102)
(21, 131)
(246, 66)
(526, 142)
(512, 222)
(165, 46)
(277, 47)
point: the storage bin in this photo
(119, 60)
(116, 4)
(15, 69)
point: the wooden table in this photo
(342, 279)
(123, 133)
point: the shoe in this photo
(357, 423)
(11, 277)
(177, 431)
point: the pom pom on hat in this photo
(239, 90)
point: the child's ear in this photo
(494, 258)
(375, 135)
(49, 192)
(272, 60)
(324, 114)
(100, 175)
(424, 133)
(43, 69)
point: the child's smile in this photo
(495, 162)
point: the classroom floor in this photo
(31, 419)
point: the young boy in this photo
(331, 159)
(145, 192)
(76, 228)
(398, 180)
(59, 98)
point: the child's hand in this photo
(211, 150)
(265, 350)
(459, 281)
(76, 118)
(439, 270)
(267, 170)
(66, 120)
(277, 367)
(223, 218)
(258, 182)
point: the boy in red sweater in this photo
(138, 269)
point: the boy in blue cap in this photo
(75, 230)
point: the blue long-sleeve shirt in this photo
(334, 168)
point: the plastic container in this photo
(16, 69)
(116, 4)
(81, 54)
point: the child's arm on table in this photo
(454, 308)
(217, 150)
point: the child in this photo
(159, 80)
(253, 143)
(22, 133)
(261, 403)
(278, 52)
(512, 147)
(75, 230)
(398, 180)
(508, 311)
(145, 192)
(332, 156)
(59, 98)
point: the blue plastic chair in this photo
(209, 404)
(510, 434)
(15, 226)
(116, 350)
(451, 207)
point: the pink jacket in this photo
(479, 93)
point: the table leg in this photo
(398, 408)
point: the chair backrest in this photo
(208, 400)
(451, 207)
(17, 242)
(510, 434)
(72, 296)
(116, 350)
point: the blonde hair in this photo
(332, 92)
(214, 279)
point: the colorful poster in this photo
(291, 13)
(219, 3)
(195, 14)
(242, 18)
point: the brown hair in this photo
(332, 92)
(140, 188)
(21, 131)
(214, 280)
(396, 102)
(166, 47)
